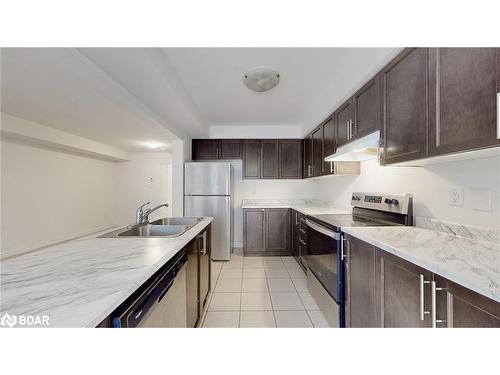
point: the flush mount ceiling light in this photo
(261, 79)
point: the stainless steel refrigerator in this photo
(207, 192)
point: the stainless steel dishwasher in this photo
(161, 303)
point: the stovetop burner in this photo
(338, 221)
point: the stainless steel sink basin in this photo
(166, 227)
(177, 221)
(155, 231)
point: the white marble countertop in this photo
(304, 206)
(473, 264)
(80, 282)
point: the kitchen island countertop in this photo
(80, 282)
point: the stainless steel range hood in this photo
(364, 148)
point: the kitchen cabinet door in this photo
(269, 159)
(290, 158)
(192, 284)
(317, 148)
(459, 307)
(277, 231)
(329, 144)
(308, 157)
(254, 230)
(251, 159)
(405, 107)
(343, 120)
(204, 240)
(361, 294)
(366, 104)
(295, 234)
(399, 284)
(205, 149)
(463, 99)
(230, 149)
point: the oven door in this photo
(323, 258)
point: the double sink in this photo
(166, 227)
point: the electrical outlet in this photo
(457, 197)
(481, 200)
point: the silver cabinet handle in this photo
(498, 115)
(348, 132)
(331, 167)
(203, 250)
(342, 254)
(422, 298)
(434, 289)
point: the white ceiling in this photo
(61, 88)
(126, 97)
(313, 81)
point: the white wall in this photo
(430, 185)
(145, 178)
(49, 196)
(181, 152)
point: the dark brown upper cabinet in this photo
(366, 104)
(269, 158)
(344, 120)
(230, 149)
(251, 159)
(308, 156)
(405, 106)
(290, 158)
(205, 149)
(329, 144)
(463, 99)
(317, 148)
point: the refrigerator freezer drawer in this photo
(218, 207)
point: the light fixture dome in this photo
(261, 79)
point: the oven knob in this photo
(387, 200)
(395, 201)
(355, 198)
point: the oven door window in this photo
(322, 260)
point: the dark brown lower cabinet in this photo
(277, 230)
(266, 231)
(254, 230)
(383, 290)
(399, 284)
(459, 307)
(361, 298)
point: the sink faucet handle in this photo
(139, 213)
(145, 204)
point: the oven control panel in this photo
(400, 203)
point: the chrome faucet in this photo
(143, 216)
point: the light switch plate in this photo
(457, 197)
(481, 199)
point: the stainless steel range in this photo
(325, 252)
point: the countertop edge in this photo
(420, 262)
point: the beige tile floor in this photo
(260, 292)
